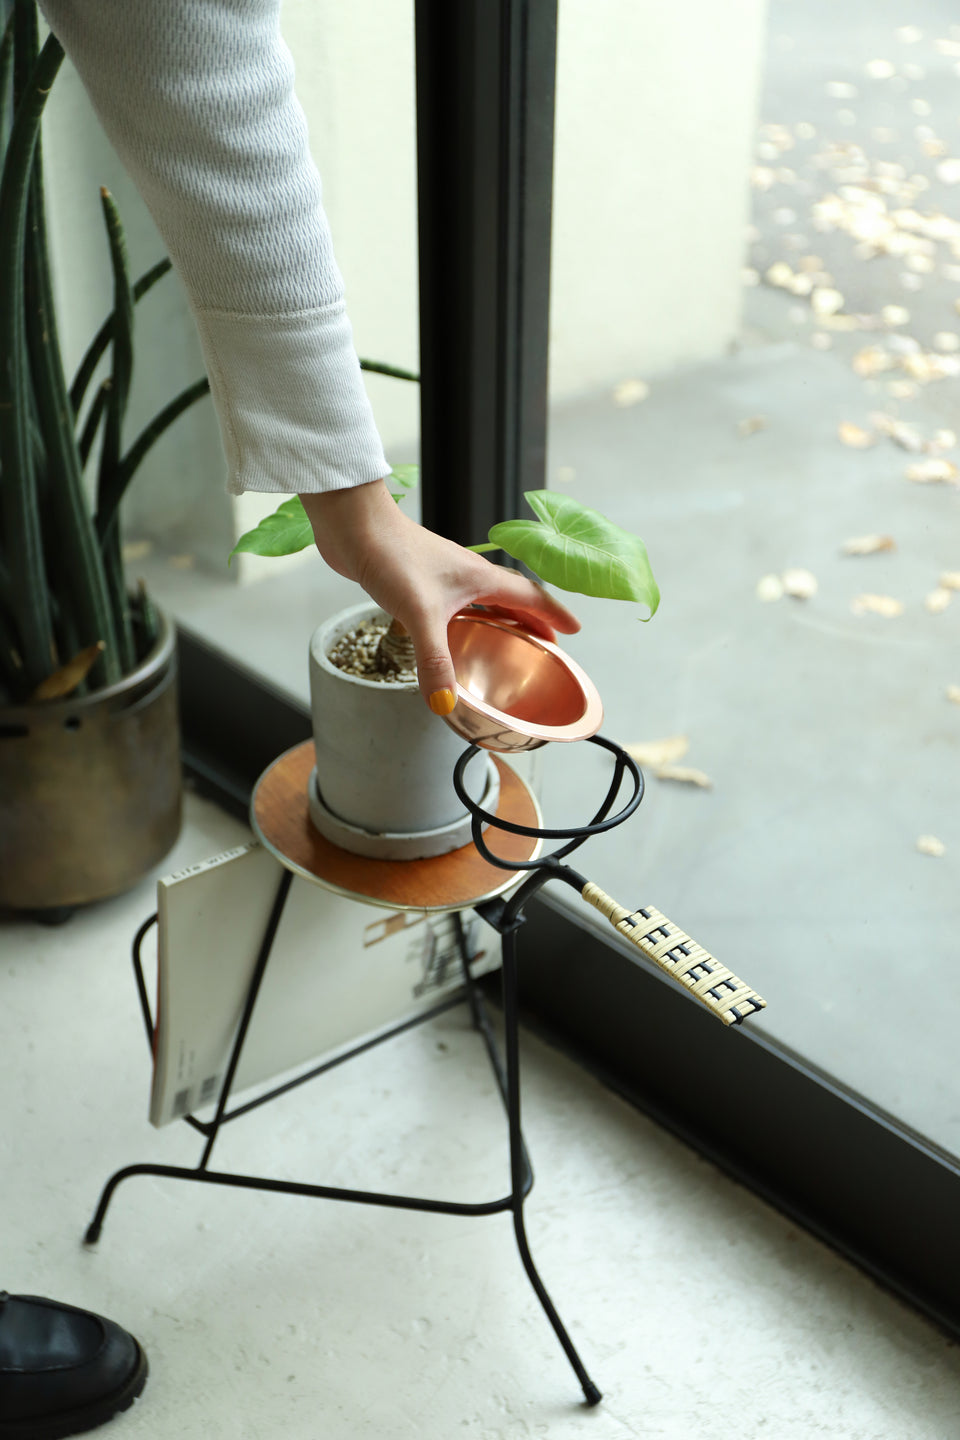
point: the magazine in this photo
(339, 972)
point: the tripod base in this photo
(508, 1080)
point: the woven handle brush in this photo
(670, 948)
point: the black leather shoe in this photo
(62, 1370)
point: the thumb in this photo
(435, 672)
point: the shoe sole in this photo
(87, 1417)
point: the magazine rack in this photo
(474, 878)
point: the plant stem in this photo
(109, 481)
(100, 341)
(92, 423)
(145, 441)
(395, 651)
(89, 595)
(18, 493)
(6, 79)
(376, 367)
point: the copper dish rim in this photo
(582, 728)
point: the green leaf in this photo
(284, 532)
(406, 476)
(579, 549)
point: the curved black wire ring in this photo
(575, 835)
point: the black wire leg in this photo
(517, 1161)
(212, 1130)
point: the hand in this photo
(421, 579)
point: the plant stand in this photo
(471, 878)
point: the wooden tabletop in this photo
(280, 816)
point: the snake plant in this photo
(68, 623)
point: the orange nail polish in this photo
(442, 702)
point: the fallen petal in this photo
(826, 301)
(906, 437)
(884, 605)
(931, 472)
(950, 580)
(902, 390)
(779, 274)
(938, 600)
(659, 752)
(930, 845)
(801, 584)
(684, 773)
(769, 588)
(895, 315)
(762, 177)
(872, 360)
(65, 680)
(868, 544)
(630, 392)
(953, 693)
(854, 436)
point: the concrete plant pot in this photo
(383, 783)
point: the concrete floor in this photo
(698, 1309)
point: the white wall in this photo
(656, 107)
(356, 82)
(178, 494)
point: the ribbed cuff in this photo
(289, 395)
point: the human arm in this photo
(197, 98)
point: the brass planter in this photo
(90, 789)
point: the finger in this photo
(435, 673)
(530, 622)
(524, 597)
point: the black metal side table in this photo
(475, 877)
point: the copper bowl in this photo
(515, 690)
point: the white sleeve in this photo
(197, 98)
